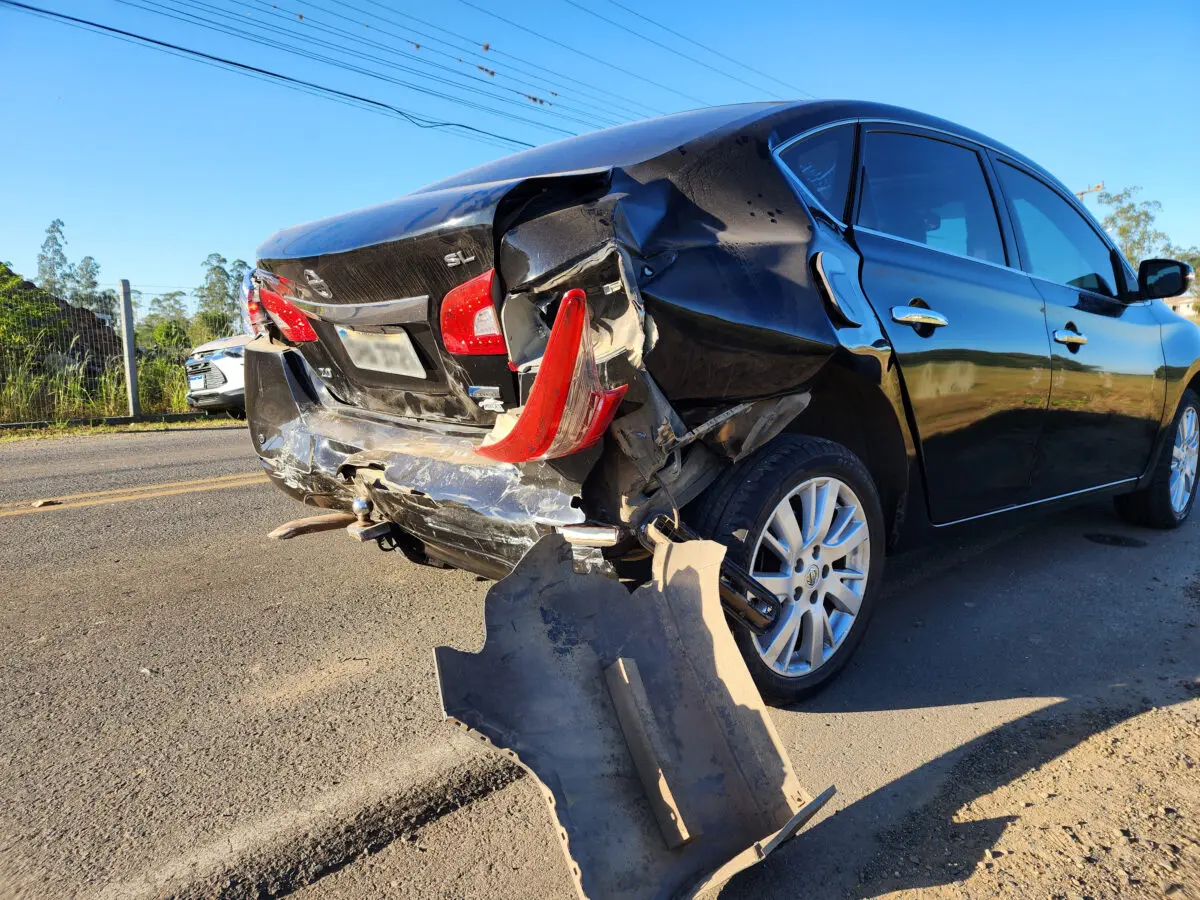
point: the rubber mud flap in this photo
(638, 717)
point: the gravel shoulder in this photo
(1116, 816)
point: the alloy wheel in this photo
(814, 554)
(1184, 456)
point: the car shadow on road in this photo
(1057, 615)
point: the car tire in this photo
(1168, 499)
(745, 511)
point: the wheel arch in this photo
(853, 410)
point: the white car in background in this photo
(216, 376)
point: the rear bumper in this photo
(423, 477)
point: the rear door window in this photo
(1057, 243)
(822, 163)
(930, 192)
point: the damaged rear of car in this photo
(766, 325)
(584, 339)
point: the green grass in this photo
(35, 389)
(8, 435)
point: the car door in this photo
(1107, 390)
(967, 329)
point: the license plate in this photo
(196, 383)
(391, 353)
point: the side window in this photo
(1057, 242)
(822, 162)
(931, 192)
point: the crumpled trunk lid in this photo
(371, 283)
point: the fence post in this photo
(131, 382)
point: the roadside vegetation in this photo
(61, 352)
(11, 435)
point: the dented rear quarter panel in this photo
(720, 247)
(716, 251)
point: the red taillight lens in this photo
(293, 324)
(568, 407)
(470, 323)
(256, 316)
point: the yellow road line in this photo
(137, 489)
(145, 492)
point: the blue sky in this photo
(153, 161)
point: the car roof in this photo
(641, 141)
(621, 145)
(820, 112)
(836, 110)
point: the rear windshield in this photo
(620, 146)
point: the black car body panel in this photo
(719, 285)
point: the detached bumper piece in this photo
(638, 717)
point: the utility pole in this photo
(1089, 190)
(130, 344)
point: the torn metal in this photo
(424, 477)
(713, 303)
(638, 717)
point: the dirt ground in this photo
(1114, 815)
(1117, 816)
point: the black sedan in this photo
(817, 332)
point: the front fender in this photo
(1181, 370)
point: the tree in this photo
(53, 269)
(207, 326)
(164, 310)
(84, 281)
(237, 272)
(217, 293)
(82, 288)
(219, 301)
(171, 333)
(169, 306)
(30, 320)
(1191, 256)
(1131, 223)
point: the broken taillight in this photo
(292, 323)
(470, 324)
(568, 407)
(252, 309)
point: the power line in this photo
(592, 91)
(666, 47)
(583, 53)
(710, 49)
(480, 86)
(254, 71)
(590, 109)
(158, 8)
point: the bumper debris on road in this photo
(638, 717)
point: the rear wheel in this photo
(1168, 499)
(803, 516)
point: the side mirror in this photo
(1159, 278)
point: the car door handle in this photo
(1070, 338)
(917, 315)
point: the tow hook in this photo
(742, 596)
(362, 528)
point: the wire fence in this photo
(60, 362)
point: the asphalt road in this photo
(193, 710)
